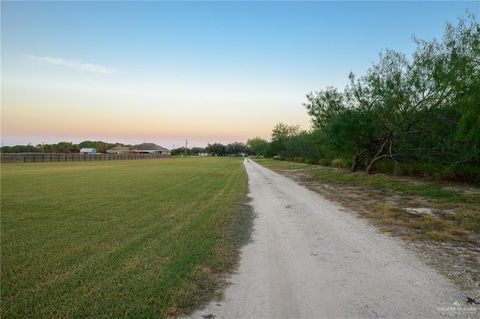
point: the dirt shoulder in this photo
(440, 222)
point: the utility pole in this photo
(186, 144)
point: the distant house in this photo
(202, 154)
(149, 148)
(88, 150)
(118, 150)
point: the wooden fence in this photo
(68, 157)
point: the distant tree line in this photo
(215, 149)
(420, 113)
(194, 151)
(233, 149)
(61, 147)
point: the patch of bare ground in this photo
(434, 230)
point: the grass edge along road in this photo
(126, 238)
(440, 221)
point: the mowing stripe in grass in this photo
(95, 239)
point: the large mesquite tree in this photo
(426, 108)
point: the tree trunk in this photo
(369, 167)
(370, 164)
(356, 159)
(368, 160)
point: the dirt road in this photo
(310, 259)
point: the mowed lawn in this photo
(137, 238)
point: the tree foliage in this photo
(403, 110)
(280, 136)
(233, 149)
(257, 145)
(426, 108)
(194, 151)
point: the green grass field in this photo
(141, 238)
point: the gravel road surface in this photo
(310, 259)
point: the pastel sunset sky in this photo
(164, 72)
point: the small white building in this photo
(88, 150)
(118, 150)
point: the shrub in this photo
(385, 166)
(339, 162)
(298, 159)
(460, 173)
(325, 161)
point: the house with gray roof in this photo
(150, 148)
